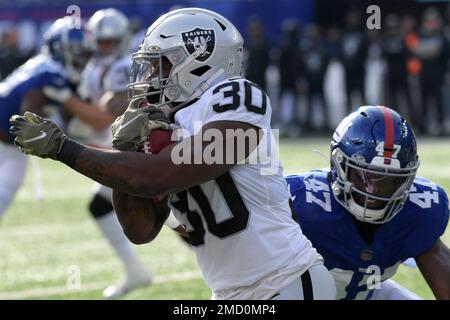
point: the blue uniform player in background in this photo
(52, 78)
(370, 212)
(46, 79)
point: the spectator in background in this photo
(315, 63)
(446, 93)
(290, 69)
(413, 67)
(431, 49)
(334, 84)
(395, 53)
(257, 53)
(375, 67)
(11, 57)
(354, 56)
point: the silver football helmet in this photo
(109, 24)
(184, 52)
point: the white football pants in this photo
(314, 284)
(13, 164)
(391, 290)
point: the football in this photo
(156, 141)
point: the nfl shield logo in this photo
(199, 42)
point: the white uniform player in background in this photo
(104, 82)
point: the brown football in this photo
(156, 141)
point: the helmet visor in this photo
(149, 77)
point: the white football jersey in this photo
(240, 224)
(97, 79)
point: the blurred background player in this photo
(30, 88)
(50, 79)
(104, 84)
(371, 212)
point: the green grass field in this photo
(41, 242)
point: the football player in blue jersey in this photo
(43, 80)
(51, 78)
(371, 212)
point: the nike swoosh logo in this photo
(130, 121)
(166, 37)
(39, 137)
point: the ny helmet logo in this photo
(199, 43)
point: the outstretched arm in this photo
(150, 176)
(96, 117)
(435, 268)
(111, 105)
(137, 174)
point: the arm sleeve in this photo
(433, 224)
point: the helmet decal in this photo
(199, 42)
(389, 134)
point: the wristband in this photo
(70, 152)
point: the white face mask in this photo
(364, 214)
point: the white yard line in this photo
(50, 291)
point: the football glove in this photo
(133, 127)
(36, 135)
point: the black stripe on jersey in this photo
(307, 286)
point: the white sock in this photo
(112, 230)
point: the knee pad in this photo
(100, 207)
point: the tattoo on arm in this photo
(103, 168)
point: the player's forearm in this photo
(91, 115)
(435, 268)
(133, 173)
(140, 218)
(441, 284)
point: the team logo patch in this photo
(200, 42)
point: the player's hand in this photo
(36, 135)
(134, 126)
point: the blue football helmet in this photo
(373, 163)
(67, 43)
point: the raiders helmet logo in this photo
(199, 42)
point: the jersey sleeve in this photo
(238, 100)
(432, 224)
(118, 76)
(296, 187)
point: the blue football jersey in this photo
(352, 261)
(36, 73)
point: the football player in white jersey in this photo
(104, 84)
(237, 214)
